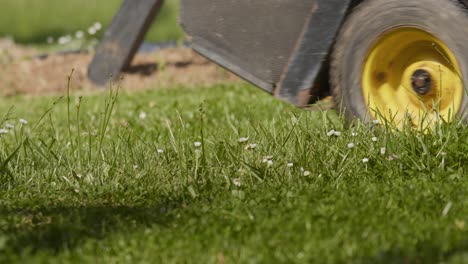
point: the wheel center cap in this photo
(421, 82)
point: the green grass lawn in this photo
(91, 186)
(33, 21)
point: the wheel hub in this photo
(421, 82)
(411, 73)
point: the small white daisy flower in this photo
(91, 31)
(97, 26)
(290, 165)
(10, 126)
(3, 131)
(79, 34)
(237, 182)
(243, 139)
(383, 151)
(351, 145)
(197, 144)
(142, 115)
(64, 40)
(334, 133)
(23, 121)
(160, 151)
(250, 146)
(365, 160)
(375, 139)
(307, 173)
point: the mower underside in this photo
(278, 45)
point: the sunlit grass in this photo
(223, 174)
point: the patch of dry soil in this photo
(22, 72)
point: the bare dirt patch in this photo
(23, 72)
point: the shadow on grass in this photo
(56, 229)
(425, 252)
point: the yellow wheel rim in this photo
(411, 76)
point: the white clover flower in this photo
(243, 139)
(237, 182)
(50, 40)
(197, 144)
(383, 151)
(79, 34)
(91, 31)
(269, 162)
(365, 160)
(376, 122)
(290, 165)
(3, 131)
(9, 126)
(160, 151)
(307, 173)
(142, 115)
(351, 145)
(375, 139)
(23, 121)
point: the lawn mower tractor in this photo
(395, 60)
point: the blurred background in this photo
(40, 21)
(41, 41)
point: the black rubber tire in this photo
(445, 19)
